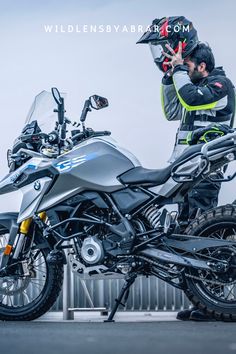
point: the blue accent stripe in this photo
(32, 167)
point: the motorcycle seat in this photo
(140, 175)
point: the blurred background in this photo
(108, 63)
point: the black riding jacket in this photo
(211, 100)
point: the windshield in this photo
(42, 111)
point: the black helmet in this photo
(208, 133)
(170, 30)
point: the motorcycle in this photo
(85, 194)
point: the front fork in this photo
(23, 231)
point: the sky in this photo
(109, 64)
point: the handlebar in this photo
(88, 134)
(53, 137)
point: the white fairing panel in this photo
(32, 195)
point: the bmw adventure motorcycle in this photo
(85, 194)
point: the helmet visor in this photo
(157, 49)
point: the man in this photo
(204, 95)
(196, 93)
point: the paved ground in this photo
(175, 337)
(120, 316)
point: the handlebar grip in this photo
(103, 132)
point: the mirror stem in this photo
(85, 111)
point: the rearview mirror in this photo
(56, 95)
(98, 102)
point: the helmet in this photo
(208, 133)
(169, 30)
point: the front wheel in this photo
(215, 293)
(25, 298)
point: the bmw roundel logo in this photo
(37, 185)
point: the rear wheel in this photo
(215, 293)
(27, 297)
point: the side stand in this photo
(123, 293)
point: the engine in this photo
(97, 248)
(92, 251)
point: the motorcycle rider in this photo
(196, 93)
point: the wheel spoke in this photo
(221, 232)
(40, 271)
(39, 256)
(3, 297)
(39, 264)
(22, 298)
(215, 235)
(26, 296)
(10, 298)
(230, 292)
(36, 285)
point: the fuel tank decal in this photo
(67, 165)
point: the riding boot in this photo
(184, 315)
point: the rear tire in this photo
(221, 223)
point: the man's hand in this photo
(175, 58)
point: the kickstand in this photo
(129, 280)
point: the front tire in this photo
(219, 223)
(27, 298)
